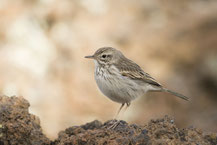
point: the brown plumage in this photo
(121, 79)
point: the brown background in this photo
(43, 44)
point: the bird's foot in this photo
(112, 124)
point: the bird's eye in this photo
(103, 56)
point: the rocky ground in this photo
(18, 126)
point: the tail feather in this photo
(176, 94)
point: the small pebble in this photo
(172, 121)
(144, 131)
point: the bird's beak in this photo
(90, 56)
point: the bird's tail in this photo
(175, 94)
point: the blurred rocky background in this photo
(43, 44)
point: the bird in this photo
(122, 80)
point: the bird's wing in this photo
(134, 71)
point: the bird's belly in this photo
(119, 89)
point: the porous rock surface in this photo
(19, 127)
(156, 132)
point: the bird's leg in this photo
(113, 126)
(127, 106)
(116, 116)
(115, 120)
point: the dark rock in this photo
(212, 138)
(17, 126)
(92, 125)
(141, 139)
(144, 131)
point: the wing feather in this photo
(134, 71)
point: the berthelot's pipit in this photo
(122, 80)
